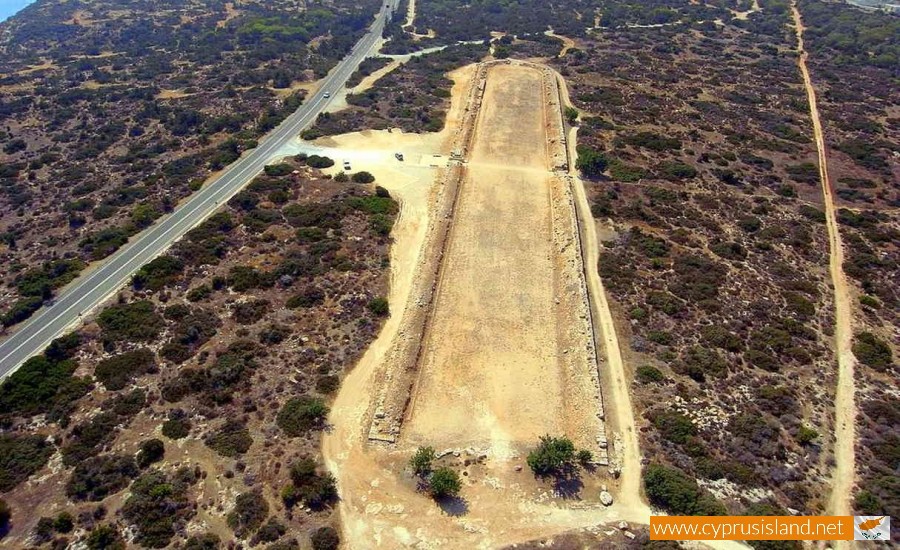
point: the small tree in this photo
(379, 306)
(592, 163)
(302, 414)
(571, 114)
(422, 460)
(553, 456)
(444, 482)
(151, 451)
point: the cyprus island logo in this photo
(871, 528)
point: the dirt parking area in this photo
(492, 374)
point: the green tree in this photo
(552, 456)
(444, 482)
(872, 351)
(151, 451)
(571, 114)
(421, 461)
(591, 163)
(302, 414)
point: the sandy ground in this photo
(491, 374)
(843, 476)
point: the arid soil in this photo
(843, 475)
(493, 372)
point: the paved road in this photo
(93, 288)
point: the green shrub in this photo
(157, 505)
(152, 450)
(673, 426)
(869, 301)
(176, 428)
(206, 541)
(271, 531)
(421, 461)
(621, 171)
(362, 177)
(699, 362)
(98, 477)
(443, 483)
(118, 371)
(40, 386)
(308, 297)
(868, 504)
(677, 170)
(720, 337)
(231, 440)
(553, 456)
(653, 141)
(137, 321)
(199, 293)
(160, 272)
(873, 352)
(22, 309)
(105, 537)
(672, 490)
(249, 513)
(276, 170)
(64, 523)
(379, 306)
(247, 313)
(20, 457)
(328, 384)
(806, 435)
(302, 414)
(325, 538)
(316, 161)
(649, 374)
(591, 163)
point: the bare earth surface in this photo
(491, 374)
(843, 476)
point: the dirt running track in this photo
(843, 476)
(494, 373)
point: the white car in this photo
(347, 165)
(327, 94)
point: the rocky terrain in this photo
(110, 115)
(210, 376)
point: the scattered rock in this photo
(606, 499)
(623, 525)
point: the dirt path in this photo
(843, 476)
(617, 393)
(568, 43)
